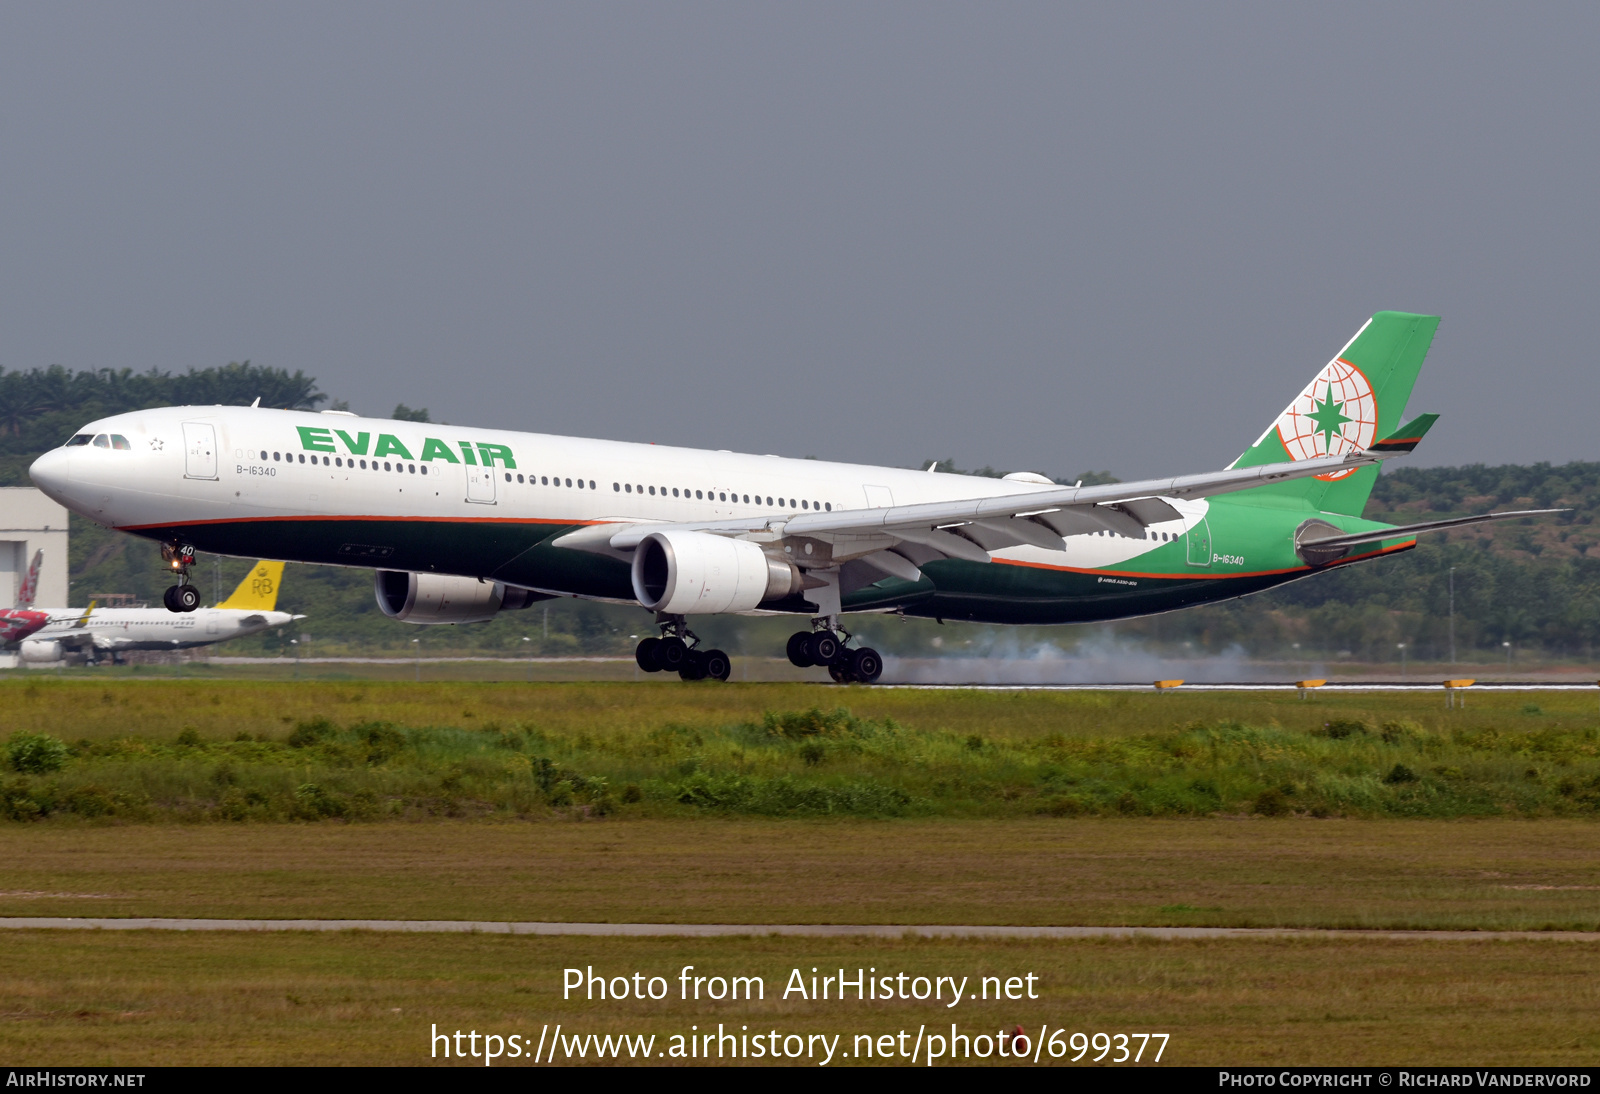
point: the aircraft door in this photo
(1199, 538)
(480, 485)
(879, 497)
(199, 450)
(211, 621)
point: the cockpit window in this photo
(118, 441)
(102, 441)
(80, 439)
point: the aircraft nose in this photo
(52, 473)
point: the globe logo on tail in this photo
(1335, 414)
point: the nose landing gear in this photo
(182, 597)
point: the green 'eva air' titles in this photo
(483, 453)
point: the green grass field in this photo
(1298, 872)
(127, 999)
(670, 803)
(233, 752)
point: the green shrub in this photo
(311, 732)
(90, 801)
(1340, 728)
(1400, 773)
(233, 806)
(1271, 803)
(36, 753)
(313, 802)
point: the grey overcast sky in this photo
(1050, 237)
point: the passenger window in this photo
(829, 504)
(630, 488)
(277, 457)
(363, 465)
(804, 504)
(580, 484)
(263, 453)
(569, 482)
(508, 476)
(302, 457)
(386, 466)
(769, 500)
(338, 461)
(674, 491)
(79, 440)
(652, 491)
(102, 441)
(697, 494)
(591, 484)
(118, 441)
(424, 469)
(617, 488)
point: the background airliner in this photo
(464, 523)
(21, 619)
(95, 633)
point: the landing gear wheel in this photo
(671, 653)
(186, 597)
(841, 674)
(866, 665)
(645, 654)
(716, 665)
(799, 650)
(166, 598)
(824, 647)
(694, 666)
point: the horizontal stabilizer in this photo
(1356, 539)
(1407, 436)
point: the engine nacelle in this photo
(40, 650)
(696, 573)
(440, 598)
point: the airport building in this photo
(30, 522)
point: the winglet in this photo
(1407, 436)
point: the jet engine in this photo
(695, 573)
(439, 598)
(40, 650)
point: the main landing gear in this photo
(677, 650)
(182, 597)
(823, 647)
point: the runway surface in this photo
(803, 930)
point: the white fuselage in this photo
(190, 465)
(120, 629)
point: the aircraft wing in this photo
(971, 528)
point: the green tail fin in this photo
(1358, 397)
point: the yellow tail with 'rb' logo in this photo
(259, 589)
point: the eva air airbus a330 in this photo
(464, 523)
